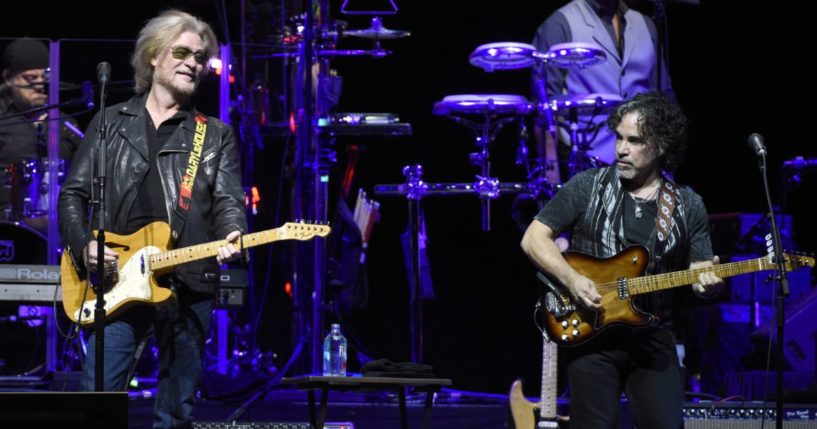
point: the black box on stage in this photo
(88, 410)
(232, 288)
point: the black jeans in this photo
(643, 364)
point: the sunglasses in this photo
(184, 52)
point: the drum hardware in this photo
(514, 55)
(346, 11)
(485, 115)
(28, 187)
(414, 189)
(503, 56)
(575, 55)
(377, 31)
(582, 134)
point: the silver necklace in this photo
(638, 201)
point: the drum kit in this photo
(486, 115)
(26, 184)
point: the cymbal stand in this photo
(485, 133)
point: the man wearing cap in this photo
(23, 136)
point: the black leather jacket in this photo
(217, 206)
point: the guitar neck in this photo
(547, 406)
(183, 255)
(657, 282)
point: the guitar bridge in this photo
(623, 290)
(556, 305)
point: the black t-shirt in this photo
(150, 201)
(640, 230)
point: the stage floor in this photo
(362, 410)
(451, 409)
(226, 401)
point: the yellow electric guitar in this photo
(524, 411)
(145, 254)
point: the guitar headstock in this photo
(302, 231)
(798, 260)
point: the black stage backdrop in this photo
(738, 67)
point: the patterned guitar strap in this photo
(189, 178)
(663, 217)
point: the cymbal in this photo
(379, 34)
(377, 31)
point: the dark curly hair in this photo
(661, 122)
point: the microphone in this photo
(88, 94)
(103, 72)
(755, 142)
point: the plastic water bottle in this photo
(334, 353)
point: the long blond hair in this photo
(157, 34)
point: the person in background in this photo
(630, 41)
(23, 136)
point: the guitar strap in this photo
(189, 178)
(667, 200)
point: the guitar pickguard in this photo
(134, 285)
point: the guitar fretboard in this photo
(654, 283)
(547, 406)
(175, 257)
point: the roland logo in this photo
(38, 274)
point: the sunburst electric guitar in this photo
(145, 254)
(618, 279)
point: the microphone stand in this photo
(99, 310)
(69, 103)
(783, 292)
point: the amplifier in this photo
(740, 415)
(269, 425)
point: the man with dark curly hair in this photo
(605, 210)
